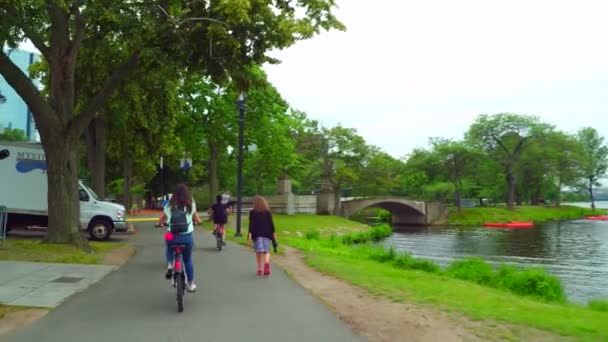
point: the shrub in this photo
(534, 282)
(472, 269)
(425, 265)
(382, 254)
(384, 216)
(403, 261)
(376, 233)
(313, 235)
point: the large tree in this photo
(210, 37)
(595, 159)
(505, 137)
(458, 160)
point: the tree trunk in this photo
(590, 189)
(511, 189)
(214, 184)
(128, 179)
(457, 198)
(96, 155)
(558, 200)
(63, 194)
(337, 202)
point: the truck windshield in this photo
(91, 192)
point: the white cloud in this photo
(408, 70)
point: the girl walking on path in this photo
(261, 233)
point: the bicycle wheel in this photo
(218, 240)
(180, 285)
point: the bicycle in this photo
(219, 237)
(179, 271)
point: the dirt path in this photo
(379, 319)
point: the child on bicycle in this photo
(261, 233)
(219, 214)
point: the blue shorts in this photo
(262, 245)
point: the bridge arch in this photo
(403, 211)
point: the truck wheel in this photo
(100, 230)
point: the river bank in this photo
(537, 214)
(486, 306)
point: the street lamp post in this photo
(162, 180)
(239, 168)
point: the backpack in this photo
(179, 221)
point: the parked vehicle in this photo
(23, 190)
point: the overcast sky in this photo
(408, 70)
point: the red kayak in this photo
(598, 218)
(509, 225)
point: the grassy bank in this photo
(28, 249)
(475, 301)
(527, 298)
(481, 215)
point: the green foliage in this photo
(472, 269)
(594, 159)
(481, 215)
(530, 282)
(598, 304)
(13, 134)
(313, 235)
(384, 216)
(373, 234)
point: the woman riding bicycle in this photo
(181, 202)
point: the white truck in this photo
(23, 190)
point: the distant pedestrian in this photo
(261, 233)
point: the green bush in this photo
(598, 304)
(532, 282)
(382, 254)
(425, 265)
(403, 261)
(374, 234)
(313, 235)
(472, 269)
(384, 216)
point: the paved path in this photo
(136, 303)
(45, 284)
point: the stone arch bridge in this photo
(403, 210)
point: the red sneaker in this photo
(259, 272)
(266, 269)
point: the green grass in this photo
(400, 277)
(454, 295)
(598, 304)
(481, 215)
(302, 223)
(29, 249)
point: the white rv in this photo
(23, 190)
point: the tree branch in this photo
(77, 125)
(39, 107)
(79, 33)
(499, 142)
(31, 34)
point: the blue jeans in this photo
(183, 239)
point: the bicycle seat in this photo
(177, 245)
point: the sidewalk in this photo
(45, 284)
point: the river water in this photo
(575, 251)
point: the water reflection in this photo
(576, 251)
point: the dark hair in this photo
(181, 198)
(218, 198)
